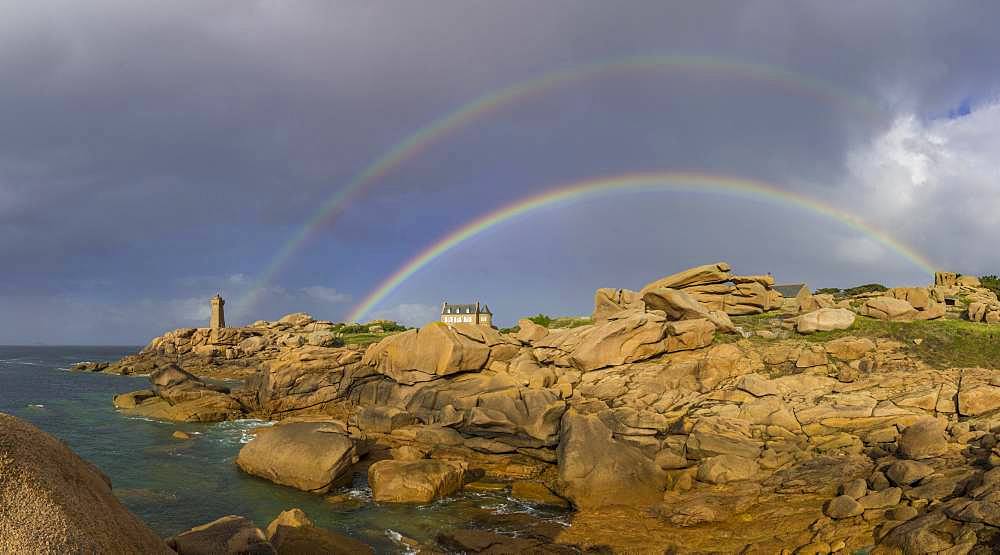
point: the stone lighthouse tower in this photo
(218, 313)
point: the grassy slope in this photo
(944, 342)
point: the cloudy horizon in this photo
(154, 154)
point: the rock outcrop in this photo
(714, 286)
(310, 456)
(181, 396)
(824, 319)
(52, 501)
(596, 470)
(292, 533)
(229, 535)
(649, 419)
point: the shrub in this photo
(353, 328)
(541, 320)
(866, 288)
(828, 291)
(991, 282)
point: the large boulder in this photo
(889, 308)
(596, 470)
(306, 380)
(722, 469)
(824, 319)
(229, 535)
(529, 331)
(629, 337)
(494, 406)
(292, 533)
(611, 301)
(431, 352)
(715, 287)
(310, 456)
(700, 275)
(187, 398)
(923, 439)
(297, 319)
(415, 481)
(678, 305)
(52, 501)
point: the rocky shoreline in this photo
(703, 413)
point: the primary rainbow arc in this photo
(660, 181)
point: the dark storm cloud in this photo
(143, 144)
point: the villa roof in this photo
(464, 309)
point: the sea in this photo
(174, 485)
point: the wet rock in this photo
(537, 494)
(235, 535)
(923, 439)
(596, 470)
(418, 481)
(181, 435)
(292, 533)
(89, 366)
(855, 489)
(903, 512)
(383, 419)
(52, 501)
(843, 506)
(722, 469)
(884, 499)
(904, 473)
(310, 456)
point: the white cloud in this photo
(326, 294)
(409, 314)
(935, 185)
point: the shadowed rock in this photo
(52, 501)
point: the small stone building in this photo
(466, 313)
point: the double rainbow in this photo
(490, 103)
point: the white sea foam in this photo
(37, 406)
(398, 539)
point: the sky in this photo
(155, 153)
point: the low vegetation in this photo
(364, 334)
(851, 291)
(991, 282)
(558, 322)
(942, 343)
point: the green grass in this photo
(944, 342)
(364, 339)
(553, 323)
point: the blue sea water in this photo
(174, 485)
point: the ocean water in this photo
(174, 485)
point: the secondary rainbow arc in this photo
(415, 143)
(660, 181)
